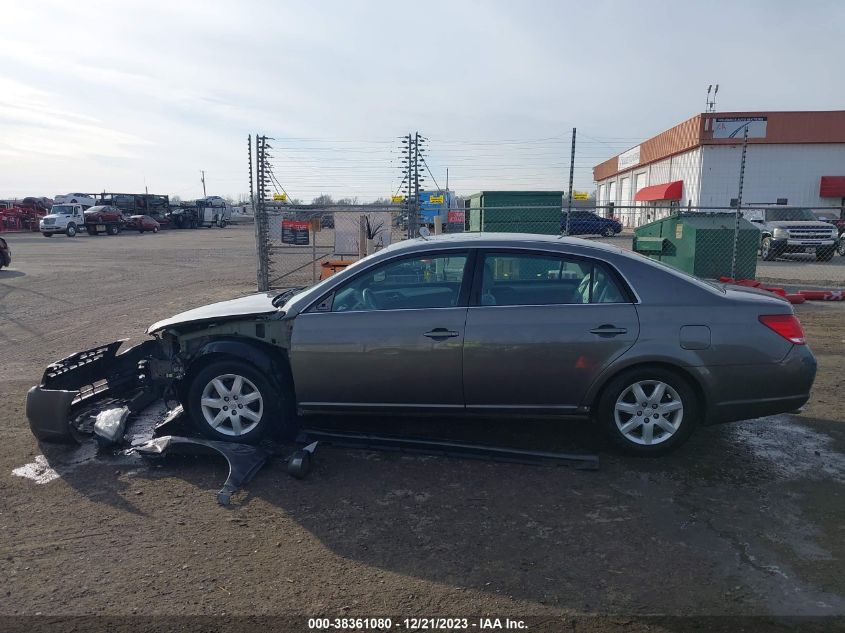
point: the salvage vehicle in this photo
(105, 218)
(788, 230)
(63, 218)
(462, 323)
(142, 223)
(5, 254)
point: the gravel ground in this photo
(745, 519)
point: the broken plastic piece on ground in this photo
(244, 460)
(449, 448)
(299, 462)
(110, 424)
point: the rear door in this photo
(540, 328)
(391, 337)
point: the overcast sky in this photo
(121, 95)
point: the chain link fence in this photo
(788, 246)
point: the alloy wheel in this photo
(231, 405)
(648, 412)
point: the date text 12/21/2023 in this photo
(416, 624)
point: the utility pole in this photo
(571, 179)
(251, 189)
(202, 171)
(739, 199)
(416, 179)
(410, 176)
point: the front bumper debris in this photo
(74, 389)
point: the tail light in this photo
(787, 325)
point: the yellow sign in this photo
(280, 197)
(397, 199)
(436, 200)
(580, 195)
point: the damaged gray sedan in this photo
(483, 323)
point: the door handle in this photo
(441, 333)
(608, 330)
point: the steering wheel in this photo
(368, 299)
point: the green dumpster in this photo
(515, 211)
(701, 243)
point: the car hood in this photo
(52, 216)
(799, 224)
(252, 305)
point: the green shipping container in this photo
(701, 244)
(515, 212)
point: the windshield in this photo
(62, 209)
(782, 215)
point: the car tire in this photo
(70, 231)
(91, 230)
(112, 229)
(825, 254)
(155, 229)
(840, 245)
(630, 428)
(47, 234)
(608, 232)
(229, 378)
(767, 251)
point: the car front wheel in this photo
(840, 246)
(649, 411)
(71, 230)
(231, 400)
(767, 251)
(609, 232)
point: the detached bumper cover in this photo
(72, 389)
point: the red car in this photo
(143, 223)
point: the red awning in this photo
(666, 191)
(832, 187)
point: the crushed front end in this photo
(75, 389)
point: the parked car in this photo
(588, 223)
(84, 199)
(63, 218)
(484, 323)
(104, 218)
(143, 223)
(790, 230)
(5, 253)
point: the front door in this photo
(540, 329)
(390, 337)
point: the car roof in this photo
(510, 240)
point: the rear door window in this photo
(509, 279)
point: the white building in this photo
(793, 158)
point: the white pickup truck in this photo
(63, 218)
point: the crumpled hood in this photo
(235, 308)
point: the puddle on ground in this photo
(792, 449)
(61, 459)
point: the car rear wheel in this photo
(231, 400)
(648, 411)
(155, 229)
(840, 246)
(112, 229)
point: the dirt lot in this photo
(746, 519)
